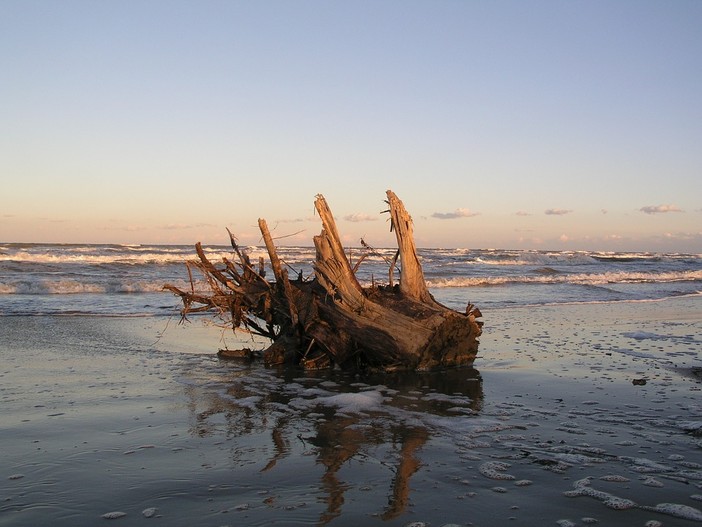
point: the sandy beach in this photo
(573, 415)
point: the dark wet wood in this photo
(332, 319)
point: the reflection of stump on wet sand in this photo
(413, 439)
(388, 438)
(332, 319)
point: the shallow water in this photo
(113, 415)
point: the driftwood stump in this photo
(331, 319)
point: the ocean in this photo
(127, 280)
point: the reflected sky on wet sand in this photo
(99, 417)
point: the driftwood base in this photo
(332, 320)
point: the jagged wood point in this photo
(332, 320)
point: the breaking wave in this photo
(551, 276)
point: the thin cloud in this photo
(458, 213)
(682, 235)
(557, 212)
(297, 220)
(522, 213)
(127, 228)
(184, 226)
(659, 209)
(359, 217)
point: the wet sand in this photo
(573, 415)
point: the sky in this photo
(555, 125)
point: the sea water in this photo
(119, 280)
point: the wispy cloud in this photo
(127, 228)
(683, 235)
(522, 213)
(297, 220)
(557, 212)
(458, 213)
(659, 209)
(184, 226)
(359, 217)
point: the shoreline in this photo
(101, 415)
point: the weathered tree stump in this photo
(332, 319)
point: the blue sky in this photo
(546, 124)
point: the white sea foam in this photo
(582, 488)
(694, 427)
(581, 279)
(495, 470)
(102, 259)
(642, 335)
(651, 482)
(70, 287)
(353, 402)
(616, 478)
(114, 515)
(678, 511)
